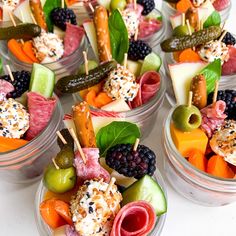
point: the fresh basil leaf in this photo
(47, 8)
(117, 132)
(118, 36)
(212, 73)
(213, 20)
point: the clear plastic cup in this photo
(26, 164)
(44, 229)
(190, 182)
(143, 116)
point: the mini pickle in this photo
(65, 158)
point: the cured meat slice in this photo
(212, 117)
(91, 169)
(134, 219)
(40, 110)
(148, 27)
(220, 5)
(149, 86)
(5, 88)
(73, 37)
(229, 67)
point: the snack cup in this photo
(44, 229)
(144, 116)
(190, 182)
(26, 164)
(63, 67)
(169, 11)
(155, 39)
(226, 81)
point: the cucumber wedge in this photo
(151, 62)
(42, 80)
(146, 189)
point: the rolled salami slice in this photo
(147, 27)
(73, 37)
(91, 169)
(40, 110)
(134, 219)
(5, 88)
(149, 86)
(229, 67)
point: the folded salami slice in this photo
(73, 37)
(134, 219)
(149, 86)
(40, 110)
(92, 168)
(148, 27)
(229, 67)
(220, 5)
(5, 88)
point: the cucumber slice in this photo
(146, 189)
(151, 62)
(42, 80)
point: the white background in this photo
(183, 219)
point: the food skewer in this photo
(72, 133)
(189, 31)
(9, 72)
(125, 60)
(135, 5)
(61, 137)
(215, 92)
(136, 144)
(222, 36)
(183, 19)
(91, 7)
(136, 35)
(112, 181)
(22, 16)
(55, 164)
(86, 63)
(32, 16)
(62, 4)
(190, 98)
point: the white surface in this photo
(183, 219)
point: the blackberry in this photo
(138, 50)
(130, 163)
(229, 39)
(148, 6)
(21, 83)
(229, 97)
(60, 16)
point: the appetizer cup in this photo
(190, 182)
(26, 164)
(143, 116)
(44, 229)
(63, 67)
(226, 81)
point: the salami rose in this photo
(149, 86)
(40, 110)
(134, 219)
(92, 168)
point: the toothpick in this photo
(55, 164)
(222, 36)
(12, 18)
(136, 35)
(61, 137)
(62, 4)
(215, 92)
(190, 98)
(125, 60)
(223, 26)
(32, 16)
(9, 72)
(91, 7)
(86, 63)
(189, 27)
(136, 144)
(112, 181)
(72, 133)
(183, 19)
(22, 16)
(135, 5)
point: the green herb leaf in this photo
(118, 36)
(213, 20)
(212, 73)
(47, 8)
(117, 132)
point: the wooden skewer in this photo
(215, 91)
(72, 133)
(190, 98)
(136, 35)
(136, 144)
(86, 63)
(222, 36)
(12, 18)
(61, 137)
(223, 26)
(125, 60)
(62, 4)
(9, 72)
(135, 5)
(22, 16)
(112, 181)
(183, 19)
(32, 16)
(55, 164)
(189, 27)
(91, 7)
